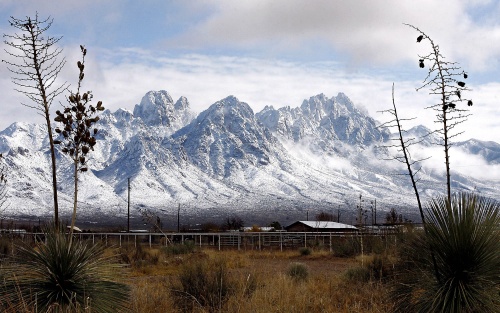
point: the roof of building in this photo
(325, 224)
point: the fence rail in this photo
(223, 240)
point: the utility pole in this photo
(360, 211)
(128, 207)
(178, 218)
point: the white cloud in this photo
(367, 31)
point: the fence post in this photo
(219, 242)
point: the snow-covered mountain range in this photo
(227, 160)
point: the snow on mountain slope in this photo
(325, 123)
(488, 150)
(320, 155)
(227, 138)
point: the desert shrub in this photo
(139, 255)
(178, 249)
(203, 283)
(298, 271)
(375, 268)
(346, 247)
(304, 251)
(373, 244)
(455, 265)
(136, 256)
(61, 276)
(379, 267)
(358, 274)
(5, 247)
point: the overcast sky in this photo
(275, 52)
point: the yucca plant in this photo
(77, 133)
(464, 237)
(59, 276)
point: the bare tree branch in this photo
(445, 80)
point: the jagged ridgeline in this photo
(319, 155)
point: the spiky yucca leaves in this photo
(59, 276)
(464, 237)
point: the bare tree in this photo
(36, 63)
(153, 219)
(324, 216)
(403, 153)
(413, 166)
(78, 132)
(233, 223)
(444, 80)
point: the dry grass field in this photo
(252, 281)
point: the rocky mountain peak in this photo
(158, 109)
(226, 137)
(323, 122)
(182, 104)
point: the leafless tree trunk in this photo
(35, 65)
(404, 155)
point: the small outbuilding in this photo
(320, 226)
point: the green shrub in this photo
(346, 247)
(178, 249)
(304, 251)
(373, 244)
(298, 271)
